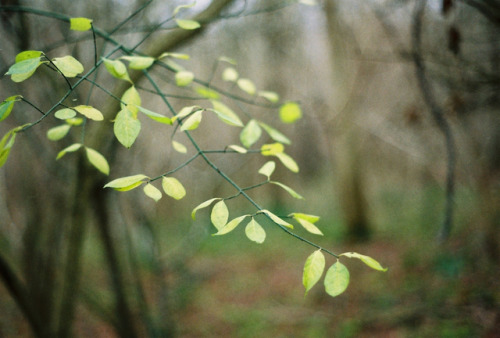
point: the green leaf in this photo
(250, 134)
(152, 192)
(65, 113)
(72, 148)
(178, 8)
(308, 2)
(193, 121)
(68, 65)
(175, 56)
(276, 219)
(179, 147)
(139, 62)
(184, 78)
(131, 100)
(255, 232)
(238, 149)
(173, 187)
(80, 24)
(226, 114)
(155, 116)
(117, 69)
(288, 190)
(270, 96)
(247, 86)
(290, 112)
(28, 54)
(22, 70)
(309, 226)
(89, 112)
(57, 133)
(126, 128)
(97, 160)
(313, 269)
(272, 149)
(6, 106)
(274, 134)
(127, 182)
(267, 169)
(219, 215)
(187, 24)
(230, 226)
(207, 93)
(336, 279)
(230, 74)
(203, 205)
(372, 263)
(288, 162)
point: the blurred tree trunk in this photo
(346, 152)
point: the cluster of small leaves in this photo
(127, 127)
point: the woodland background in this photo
(374, 165)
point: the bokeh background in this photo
(373, 164)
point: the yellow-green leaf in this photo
(276, 219)
(203, 205)
(179, 147)
(152, 192)
(289, 190)
(131, 100)
(155, 116)
(72, 148)
(185, 112)
(250, 133)
(6, 144)
(307, 217)
(187, 24)
(247, 86)
(230, 226)
(126, 183)
(219, 215)
(126, 128)
(28, 54)
(184, 78)
(173, 187)
(117, 69)
(139, 62)
(65, 113)
(193, 121)
(255, 232)
(22, 70)
(313, 269)
(288, 162)
(226, 114)
(178, 8)
(80, 24)
(275, 134)
(97, 160)
(57, 133)
(271, 149)
(336, 279)
(74, 121)
(270, 96)
(267, 169)
(290, 112)
(68, 65)
(89, 112)
(175, 56)
(6, 107)
(207, 93)
(309, 226)
(238, 149)
(372, 263)
(230, 74)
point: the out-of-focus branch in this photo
(437, 114)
